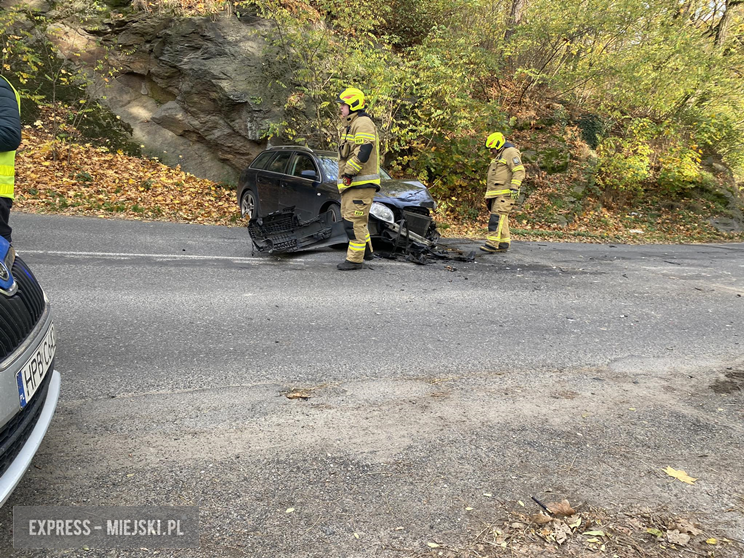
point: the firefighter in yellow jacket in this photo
(505, 176)
(358, 175)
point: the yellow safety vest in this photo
(7, 161)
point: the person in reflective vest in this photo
(358, 175)
(505, 176)
(10, 139)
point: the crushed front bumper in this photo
(282, 231)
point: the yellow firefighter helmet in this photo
(353, 97)
(495, 141)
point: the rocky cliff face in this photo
(193, 90)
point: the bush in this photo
(624, 164)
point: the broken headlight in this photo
(382, 212)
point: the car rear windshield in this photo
(330, 169)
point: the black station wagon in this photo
(297, 177)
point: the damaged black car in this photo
(294, 187)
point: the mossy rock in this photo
(554, 160)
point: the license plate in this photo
(33, 372)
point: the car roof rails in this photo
(295, 147)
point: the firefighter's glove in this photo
(346, 179)
(514, 193)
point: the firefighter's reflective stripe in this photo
(356, 166)
(516, 183)
(359, 137)
(494, 193)
(357, 246)
(518, 168)
(358, 180)
(364, 138)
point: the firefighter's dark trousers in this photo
(355, 204)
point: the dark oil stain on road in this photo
(733, 382)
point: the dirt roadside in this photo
(427, 466)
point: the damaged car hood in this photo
(402, 193)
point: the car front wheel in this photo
(336, 211)
(249, 205)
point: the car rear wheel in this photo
(249, 205)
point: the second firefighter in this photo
(505, 176)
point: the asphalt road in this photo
(556, 370)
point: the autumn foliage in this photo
(76, 179)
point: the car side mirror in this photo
(309, 174)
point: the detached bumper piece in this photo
(282, 231)
(415, 236)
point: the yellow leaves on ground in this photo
(52, 177)
(680, 475)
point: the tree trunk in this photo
(515, 17)
(723, 24)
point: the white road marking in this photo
(127, 256)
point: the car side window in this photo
(279, 162)
(262, 160)
(301, 163)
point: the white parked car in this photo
(29, 385)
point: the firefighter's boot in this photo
(502, 247)
(346, 265)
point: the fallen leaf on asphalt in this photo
(540, 518)
(574, 521)
(561, 508)
(561, 532)
(487, 494)
(432, 545)
(593, 540)
(356, 535)
(685, 526)
(712, 541)
(655, 532)
(520, 503)
(675, 537)
(594, 533)
(289, 510)
(468, 509)
(298, 394)
(679, 475)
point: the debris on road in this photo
(414, 237)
